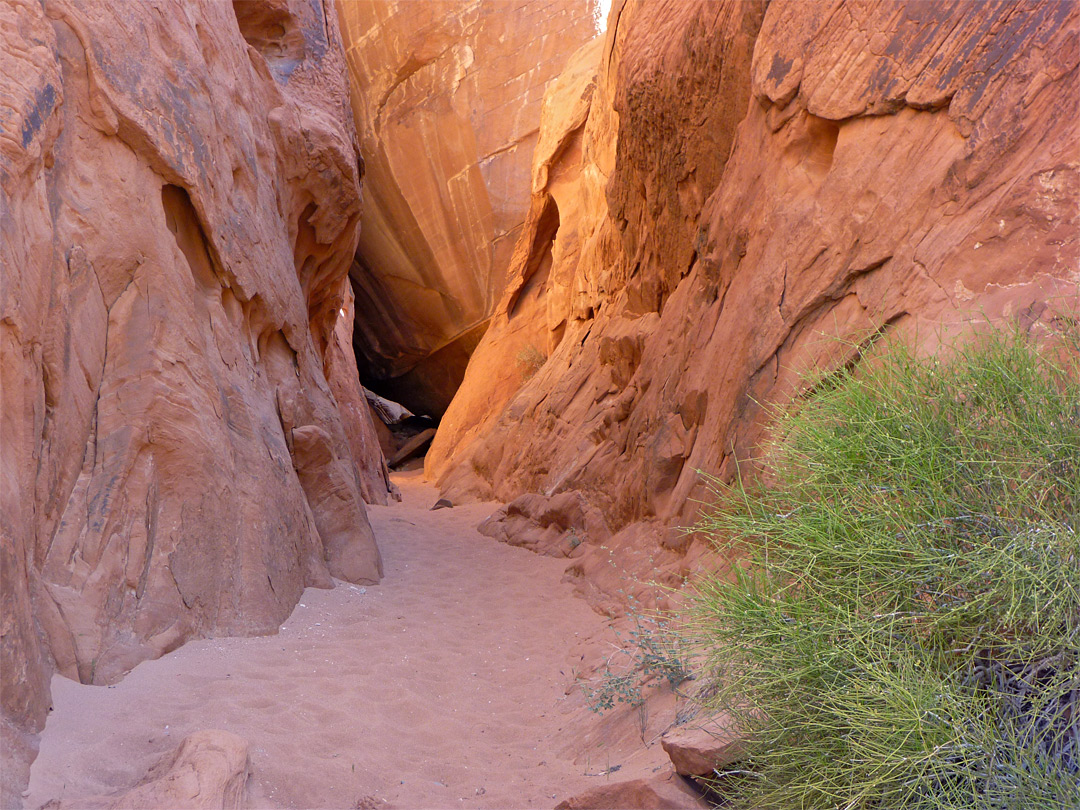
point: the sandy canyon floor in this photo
(450, 684)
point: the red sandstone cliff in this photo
(447, 98)
(750, 180)
(180, 201)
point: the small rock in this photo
(667, 792)
(208, 770)
(699, 749)
(443, 503)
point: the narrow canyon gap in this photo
(595, 253)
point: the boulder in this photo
(207, 771)
(698, 748)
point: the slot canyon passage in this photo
(362, 361)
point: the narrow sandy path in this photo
(445, 686)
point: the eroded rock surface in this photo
(447, 98)
(873, 167)
(362, 427)
(180, 201)
(566, 208)
(207, 771)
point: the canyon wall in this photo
(447, 100)
(180, 202)
(748, 184)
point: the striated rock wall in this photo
(447, 100)
(874, 166)
(180, 201)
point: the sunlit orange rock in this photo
(772, 179)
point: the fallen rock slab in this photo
(667, 792)
(412, 447)
(698, 750)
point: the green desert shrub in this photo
(902, 629)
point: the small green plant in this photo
(613, 688)
(654, 648)
(904, 628)
(659, 649)
(529, 361)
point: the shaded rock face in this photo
(751, 183)
(447, 100)
(542, 292)
(361, 426)
(180, 201)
